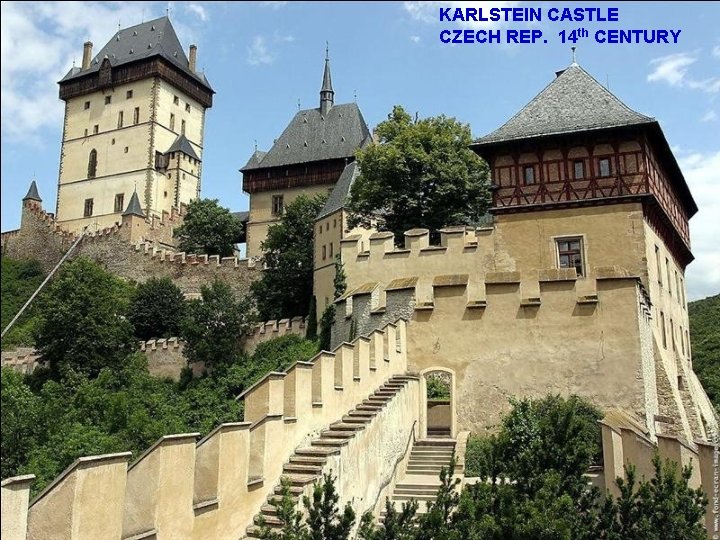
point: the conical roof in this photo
(133, 207)
(573, 102)
(182, 144)
(32, 194)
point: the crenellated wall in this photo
(182, 488)
(509, 322)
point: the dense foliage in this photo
(81, 323)
(214, 325)
(437, 387)
(157, 308)
(19, 279)
(705, 342)
(286, 286)
(208, 228)
(420, 174)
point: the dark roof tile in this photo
(340, 193)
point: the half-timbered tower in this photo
(308, 158)
(134, 120)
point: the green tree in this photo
(19, 409)
(286, 286)
(19, 280)
(81, 320)
(311, 331)
(705, 339)
(208, 228)
(420, 174)
(215, 324)
(326, 323)
(157, 309)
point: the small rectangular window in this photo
(86, 132)
(129, 94)
(136, 115)
(172, 122)
(669, 279)
(182, 127)
(88, 211)
(529, 175)
(96, 129)
(324, 253)
(176, 100)
(87, 105)
(664, 332)
(331, 249)
(604, 167)
(579, 169)
(119, 202)
(108, 99)
(187, 107)
(658, 266)
(120, 119)
(277, 205)
(570, 254)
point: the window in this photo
(662, 327)
(677, 285)
(120, 119)
(92, 165)
(331, 249)
(112, 141)
(136, 115)
(687, 343)
(277, 205)
(658, 267)
(87, 105)
(88, 211)
(126, 149)
(187, 107)
(334, 223)
(86, 132)
(529, 175)
(119, 202)
(570, 254)
(604, 167)
(176, 100)
(108, 99)
(172, 122)
(96, 129)
(683, 302)
(672, 334)
(129, 94)
(579, 166)
(324, 253)
(669, 282)
(182, 127)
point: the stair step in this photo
(270, 521)
(363, 414)
(337, 434)
(357, 420)
(417, 490)
(405, 497)
(347, 426)
(336, 443)
(294, 490)
(317, 451)
(268, 509)
(308, 460)
(435, 442)
(366, 407)
(301, 479)
(294, 468)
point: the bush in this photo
(157, 309)
(208, 228)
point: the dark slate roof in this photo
(145, 40)
(32, 194)
(573, 102)
(243, 217)
(182, 144)
(327, 79)
(254, 160)
(133, 207)
(340, 193)
(312, 137)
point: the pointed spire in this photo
(133, 207)
(574, 62)
(327, 94)
(32, 194)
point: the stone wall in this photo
(184, 488)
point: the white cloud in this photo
(40, 40)
(673, 70)
(273, 5)
(279, 38)
(709, 116)
(429, 12)
(415, 39)
(701, 173)
(198, 10)
(716, 51)
(258, 52)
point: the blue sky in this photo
(263, 57)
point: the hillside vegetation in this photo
(705, 342)
(18, 281)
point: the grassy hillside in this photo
(705, 341)
(19, 279)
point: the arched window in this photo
(92, 164)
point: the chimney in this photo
(87, 55)
(193, 58)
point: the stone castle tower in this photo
(308, 158)
(134, 121)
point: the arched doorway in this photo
(439, 403)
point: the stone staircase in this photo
(422, 475)
(306, 465)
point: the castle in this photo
(576, 285)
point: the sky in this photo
(265, 58)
